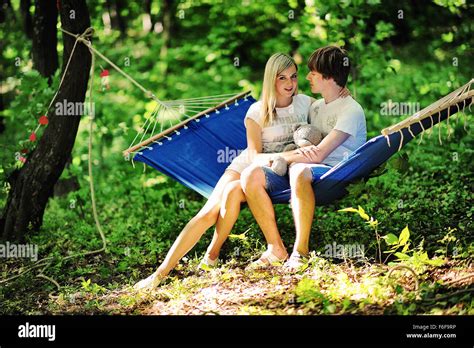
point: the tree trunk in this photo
(5, 11)
(116, 20)
(168, 10)
(5, 7)
(44, 51)
(2, 119)
(33, 184)
(64, 186)
(147, 20)
(121, 21)
(26, 17)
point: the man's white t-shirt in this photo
(344, 114)
(279, 133)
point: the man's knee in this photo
(252, 178)
(300, 175)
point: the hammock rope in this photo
(461, 94)
(199, 103)
(179, 110)
(46, 262)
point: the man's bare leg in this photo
(302, 205)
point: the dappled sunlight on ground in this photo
(322, 288)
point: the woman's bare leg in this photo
(230, 208)
(196, 227)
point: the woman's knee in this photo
(233, 191)
(225, 179)
(208, 215)
(251, 178)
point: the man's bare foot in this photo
(296, 262)
(268, 259)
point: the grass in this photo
(324, 287)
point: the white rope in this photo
(211, 97)
(156, 119)
(195, 105)
(87, 33)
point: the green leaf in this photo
(402, 256)
(435, 262)
(351, 210)
(362, 214)
(404, 236)
(205, 267)
(405, 248)
(390, 239)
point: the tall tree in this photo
(26, 17)
(116, 19)
(168, 9)
(147, 17)
(5, 7)
(33, 184)
(44, 52)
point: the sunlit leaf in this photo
(404, 236)
(351, 210)
(390, 239)
(362, 213)
(402, 256)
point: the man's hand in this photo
(312, 153)
(345, 93)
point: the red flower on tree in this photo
(104, 79)
(43, 120)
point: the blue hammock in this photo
(191, 157)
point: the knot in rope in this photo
(84, 37)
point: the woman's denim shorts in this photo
(275, 182)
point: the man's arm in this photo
(312, 153)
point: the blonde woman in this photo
(270, 124)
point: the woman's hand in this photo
(345, 93)
(262, 159)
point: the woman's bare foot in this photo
(207, 263)
(149, 283)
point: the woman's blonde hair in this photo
(276, 64)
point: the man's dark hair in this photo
(331, 61)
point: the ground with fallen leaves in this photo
(323, 287)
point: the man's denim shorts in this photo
(275, 182)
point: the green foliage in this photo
(216, 49)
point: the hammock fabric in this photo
(190, 155)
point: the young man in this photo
(342, 122)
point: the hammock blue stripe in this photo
(194, 157)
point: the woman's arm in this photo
(254, 138)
